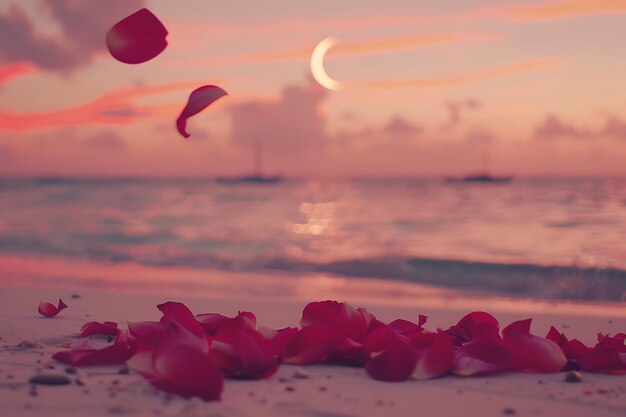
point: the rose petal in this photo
(181, 314)
(312, 344)
(50, 310)
(137, 38)
(147, 331)
(392, 358)
(530, 352)
(607, 356)
(174, 359)
(93, 327)
(90, 355)
(199, 99)
(186, 370)
(484, 354)
(437, 359)
(242, 352)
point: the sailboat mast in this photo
(257, 158)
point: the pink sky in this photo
(429, 85)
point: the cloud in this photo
(83, 24)
(368, 46)
(453, 80)
(294, 122)
(13, 71)
(561, 9)
(106, 139)
(115, 107)
(456, 109)
(398, 126)
(553, 127)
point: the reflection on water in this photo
(206, 224)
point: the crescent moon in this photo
(317, 65)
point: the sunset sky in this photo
(428, 86)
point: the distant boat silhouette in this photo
(256, 177)
(481, 176)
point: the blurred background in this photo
(476, 145)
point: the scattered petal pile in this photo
(191, 355)
(50, 310)
(137, 38)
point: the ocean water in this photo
(550, 238)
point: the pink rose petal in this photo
(50, 310)
(199, 99)
(93, 327)
(137, 38)
(529, 352)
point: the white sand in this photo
(277, 301)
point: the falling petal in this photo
(199, 99)
(137, 38)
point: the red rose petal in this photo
(607, 356)
(199, 99)
(392, 358)
(177, 360)
(312, 344)
(186, 370)
(90, 355)
(242, 352)
(137, 38)
(181, 314)
(50, 310)
(530, 352)
(437, 359)
(484, 354)
(93, 327)
(279, 338)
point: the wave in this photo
(521, 280)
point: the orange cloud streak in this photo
(367, 46)
(565, 8)
(116, 107)
(11, 72)
(435, 82)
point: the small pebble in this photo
(508, 411)
(27, 344)
(70, 370)
(123, 371)
(50, 379)
(281, 379)
(290, 389)
(323, 388)
(110, 339)
(573, 376)
(300, 374)
(75, 296)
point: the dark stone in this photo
(573, 376)
(50, 379)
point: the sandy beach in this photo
(29, 340)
